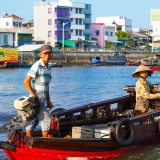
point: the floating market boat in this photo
(101, 130)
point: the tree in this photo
(122, 34)
(147, 47)
(128, 43)
(79, 41)
(108, 45)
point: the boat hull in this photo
(45, 154)
(60, 148)
(155, 69)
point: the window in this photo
(14, 24)
(106, 33)
(49, 10)
(7, 23)
(87, 16)
(71, 30)
(76, 32)
(20, 24)
(76, 10)
(55, 9)
(97, 33)
(71, 19)
(80, 10)
(80, 21)
(76, 20)
(111, 33)
(87, 37)
(55, 33)
(87, 26)
(86, 6)
(49, 33)
(80, 32)
(49, 21)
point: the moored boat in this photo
(155, 68)
(101, 130)
(117, 58)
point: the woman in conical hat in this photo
(143, 89)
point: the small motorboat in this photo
(91, 131)
(96, 61)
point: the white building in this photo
(51, 17)
(11, 31)
(9, 21)
(122, 23)
(155, 22)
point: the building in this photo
(11, 31)
(104, 34)
(73, 19)
(155, 22)
(9, 21)
(121, 23)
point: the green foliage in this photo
(128, 43)
(79, 41)
(122, 34)
(108, 45)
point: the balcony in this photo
(87, 33)
(74, 15)
(111, 38)
(59, 37)
(82, 27)
(60, 26)
(74, 38)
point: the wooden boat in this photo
(75, 136)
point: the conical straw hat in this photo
(140, 69)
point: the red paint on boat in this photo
(155, 69)
(25, 152)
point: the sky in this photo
(136, 10)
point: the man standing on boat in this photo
(37, 84)
(143, 90)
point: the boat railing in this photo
(123, 103)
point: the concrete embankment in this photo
(85, 57)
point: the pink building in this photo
(104, 33)
(98, 33)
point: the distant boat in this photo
(52, 64)
(155, 68)
(95, 61)
(117, 58)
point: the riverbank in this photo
(85, 57)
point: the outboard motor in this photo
(27, 107)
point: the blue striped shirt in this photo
(41, 78)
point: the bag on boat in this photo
(27, 107)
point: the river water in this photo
(74, 86)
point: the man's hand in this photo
(50, 105)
